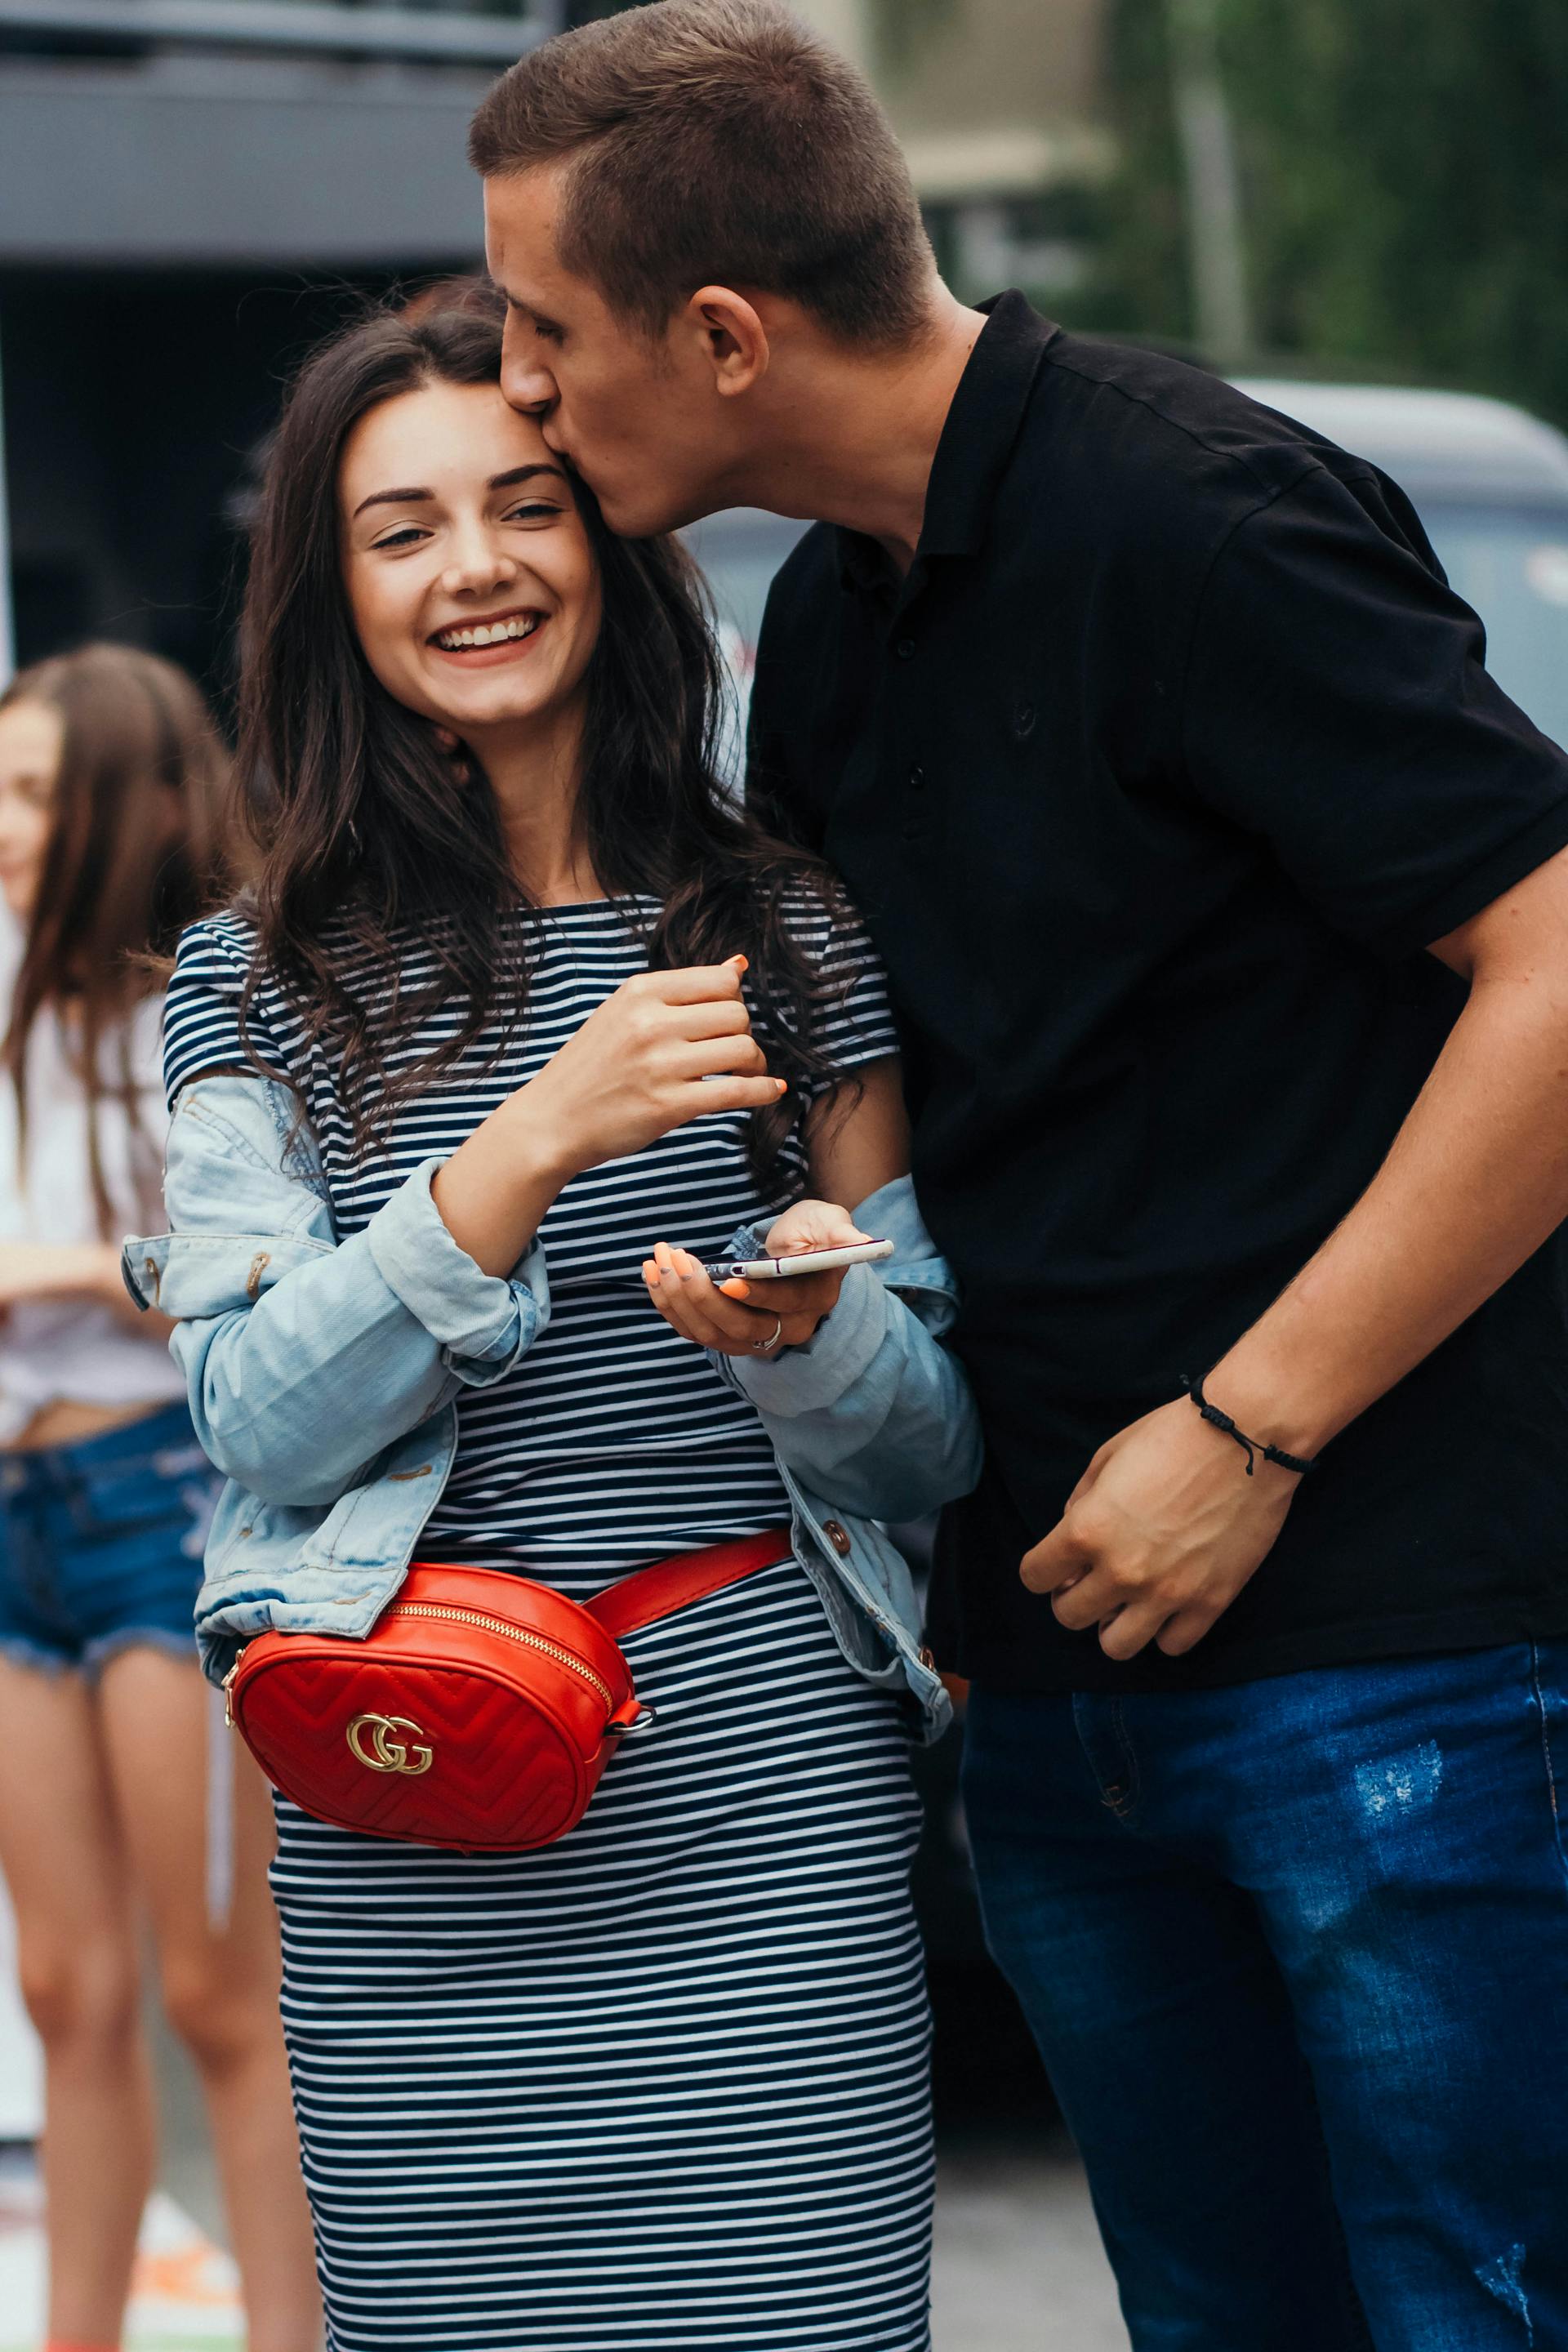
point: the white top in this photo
(77, 1348)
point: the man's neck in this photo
(855, 435)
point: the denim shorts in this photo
(100, 1544)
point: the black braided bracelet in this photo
(1249, 1445)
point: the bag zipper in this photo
(464, 1617)
(512, 1633)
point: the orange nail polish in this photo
(742, 963)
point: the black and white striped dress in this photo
(663, 2085)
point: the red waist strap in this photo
(649, 1594)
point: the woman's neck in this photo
(534, 776)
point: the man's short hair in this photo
(716, 141)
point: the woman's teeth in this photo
(498, 634)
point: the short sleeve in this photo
(201, 1012)
(1337, 704)
(854, 1018)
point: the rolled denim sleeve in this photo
(874, 1410)
(305, 1356)
(822, 1373)
(483, 1323)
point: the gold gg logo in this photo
(375, 1743)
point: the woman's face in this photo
(32, 741)
(470, 578)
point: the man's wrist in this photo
(1274, 1402)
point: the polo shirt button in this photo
(917, 779)
(905, 648)
(837, 1535)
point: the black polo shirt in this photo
(1154, 779)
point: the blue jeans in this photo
(100, 1544)
(1296, 1955)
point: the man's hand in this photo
(1160, 1534)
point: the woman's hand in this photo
(59, 1270)
(666, 1048)
(85, 1270)
(743, 1318)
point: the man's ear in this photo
(731, 337)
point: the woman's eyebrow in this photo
(413, 498)
(390, 498)
(522, 474)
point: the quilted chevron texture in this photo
(439, 1728)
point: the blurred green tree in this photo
(1405, 204)
(1140, 284)
(899, 26)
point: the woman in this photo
(110, 779)
(519, 995)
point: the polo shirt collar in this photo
(976, 441)
(983, 424)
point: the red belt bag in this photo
(478, 1713)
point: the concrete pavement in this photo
(1018, 2264)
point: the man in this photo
(1227, 909)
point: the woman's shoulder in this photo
(215, 953)
(853, 1015)
(217, 1013)
(821, 917)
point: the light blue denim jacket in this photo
(322, 1374)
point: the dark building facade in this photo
(190, 192)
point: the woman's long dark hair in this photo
(367, 830)
(137, 850)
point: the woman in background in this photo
(111, 807)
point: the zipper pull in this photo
(229, 1692)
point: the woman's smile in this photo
(487, 644)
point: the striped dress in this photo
(662, 2086)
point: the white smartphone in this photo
(818, 1261)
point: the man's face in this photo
(638, 418)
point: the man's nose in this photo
(525, 381)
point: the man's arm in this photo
(1165, 1528)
